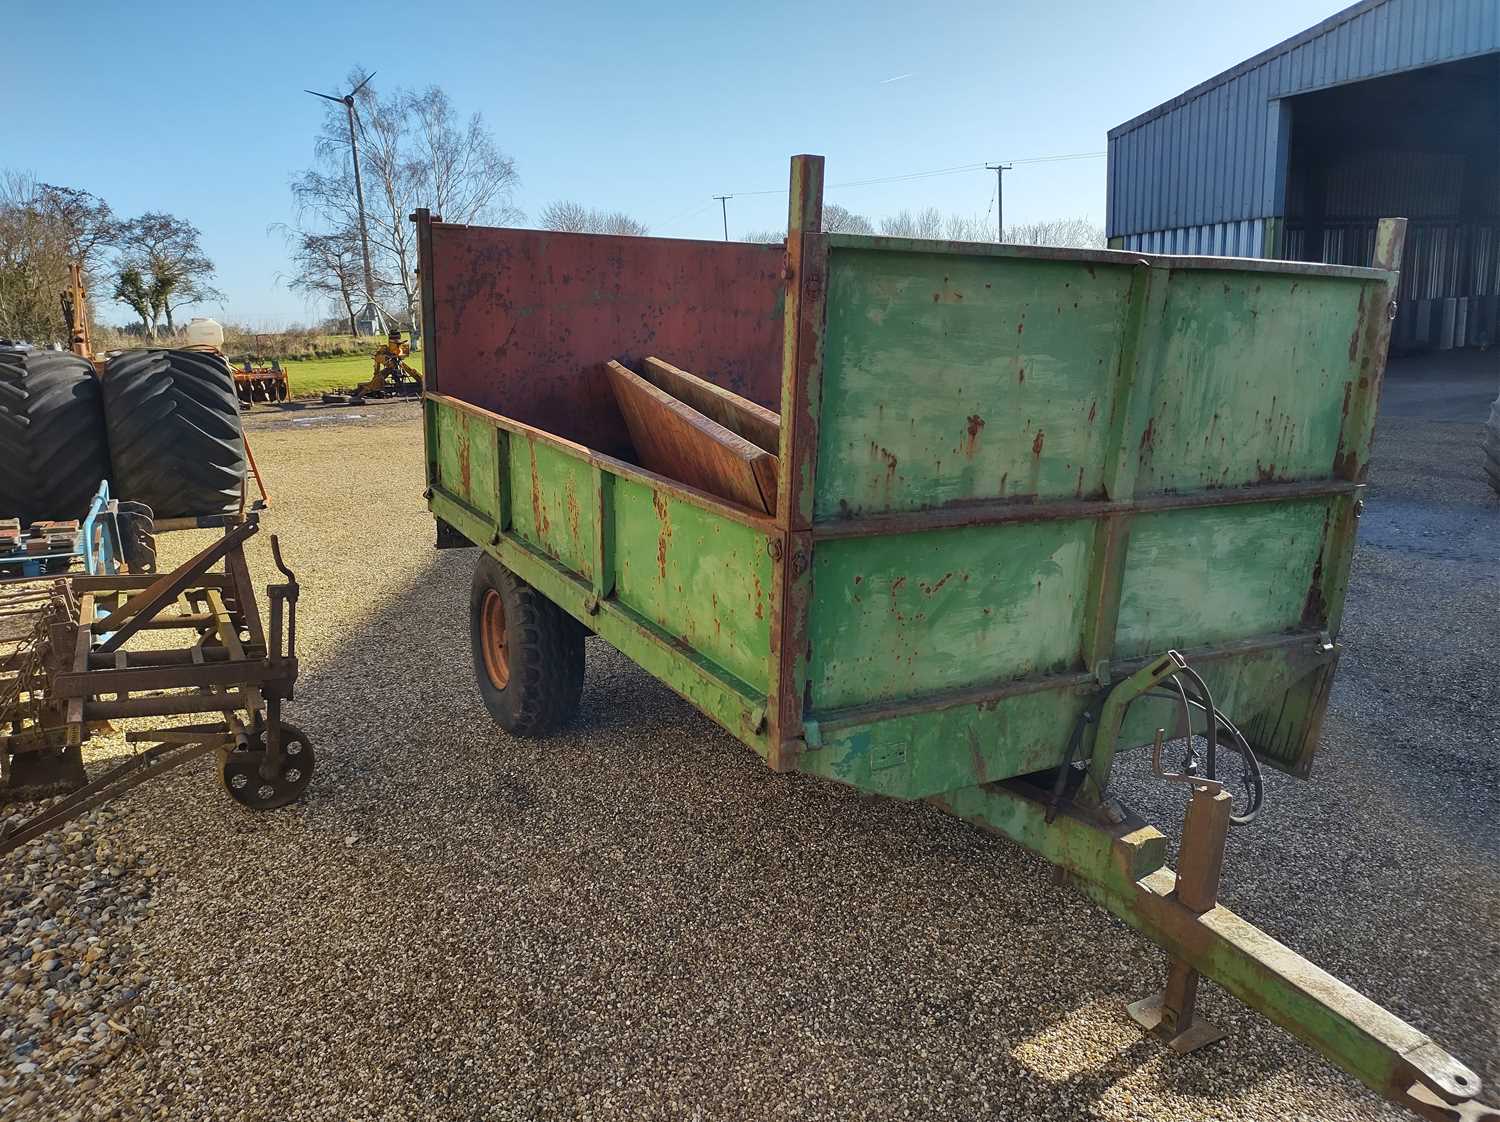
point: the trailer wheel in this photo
(53, 452)
(174, 432)
(528, 652)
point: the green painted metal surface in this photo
(949, 378)
(1123, 869)
(1119, 398)
(554, 502)
(1256, 373)
(698, 576)
(1197, 577)
(902, 615)
(466, 456)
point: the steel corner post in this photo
(806, 277)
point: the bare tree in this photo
(571, 217)
(1069, 233)
(174, 271)
(466, 178)
(841, 220)
(926, 223)
(969, 228)
(43, 229)
(414, 152)
(329, 266)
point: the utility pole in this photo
(347, 101)
(999, 170)
(724, 207)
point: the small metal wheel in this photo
(245, 784)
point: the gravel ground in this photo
(637, 920)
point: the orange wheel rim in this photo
(492, 639)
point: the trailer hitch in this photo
(1119, 861)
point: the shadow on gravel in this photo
(636, 914)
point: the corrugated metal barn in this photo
(1390, 107)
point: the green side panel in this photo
(554, 503)
(1212, 574)
(1254, 379)
(899, 616)
(700, 577)
(466, 457)
(950, 378)
(917, 755)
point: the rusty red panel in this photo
(526, 318)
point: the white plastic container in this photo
(205, 332)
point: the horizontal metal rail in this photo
(820, 724)
(1000, 511)
(95, 683)
(163, 706)
(673, 487)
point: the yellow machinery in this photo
(392, 372)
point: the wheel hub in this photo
(246, 779)
(492, 639)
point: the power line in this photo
(682, 216)
(958, 169)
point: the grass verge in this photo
(310, 377)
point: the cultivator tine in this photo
(116, 781)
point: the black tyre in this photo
(528, 652)
(137, 537)
(53, 452)
(175, 440)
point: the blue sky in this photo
(646, 108)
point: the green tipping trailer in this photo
(1034, 505)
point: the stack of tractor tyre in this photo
(163, 426)
(52, 445)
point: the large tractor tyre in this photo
(1491, 443)
(174, 432)
(528, 652)
(53, 452)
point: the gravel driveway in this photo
(637, 919)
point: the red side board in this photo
(525, 320)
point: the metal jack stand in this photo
(1172, 1013)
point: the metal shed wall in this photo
(1204, 172)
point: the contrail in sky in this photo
(897, 78)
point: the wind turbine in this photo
(371, 312)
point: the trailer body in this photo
(1010, 478)
(1028, 469)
